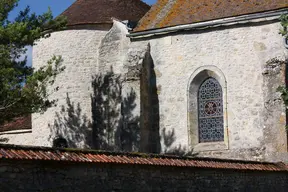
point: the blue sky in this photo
(57, 6)
(41, 6)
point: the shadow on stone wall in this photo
(130, 130)
(286, 110)
(4, 140)
(168, 140)
(72, 125)
(115, 128)
(150, 138)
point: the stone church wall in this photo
(240, 54)
(58, 176)
(71, 118)
(149, 84)
(97, 100)
(114, 105)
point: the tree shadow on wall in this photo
(130, 129)
(168, 140)
(115, 128)
(286, 87)
(72, 125)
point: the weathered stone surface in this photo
(148, 81)
(113, 49)
(274, 117)
(30, 176)
(134, 61)
(71, 118)
(241, 54)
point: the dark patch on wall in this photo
(38, 176)
(150, 138)
(286, 86)
(114, 126)
(72, 125)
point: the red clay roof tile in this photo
(18, 123)
(101, 11)
(167, 13)
(39, 153)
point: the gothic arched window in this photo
(210, 111)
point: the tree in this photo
(284, 23)
(23, 90)
(284, 32)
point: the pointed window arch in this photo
(207, 110)
(210, 111)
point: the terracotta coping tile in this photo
(13, 152)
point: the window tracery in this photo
(210, 111)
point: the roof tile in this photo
(49, 154)
(18, 123)
(166, 13)
(101, 11)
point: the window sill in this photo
(212, 146)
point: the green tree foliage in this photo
(284, 32)
(284, 23)
(23, 90)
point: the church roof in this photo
(166, 13)
(101, 11)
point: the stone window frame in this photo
(195, 81)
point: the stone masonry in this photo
(57, 176)
(241, 54)
(79, 50)
(126, 94)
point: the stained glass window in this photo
(210, 111)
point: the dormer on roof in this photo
(86, 12)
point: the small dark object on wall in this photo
(60, 142)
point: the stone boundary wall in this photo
(25, 175)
